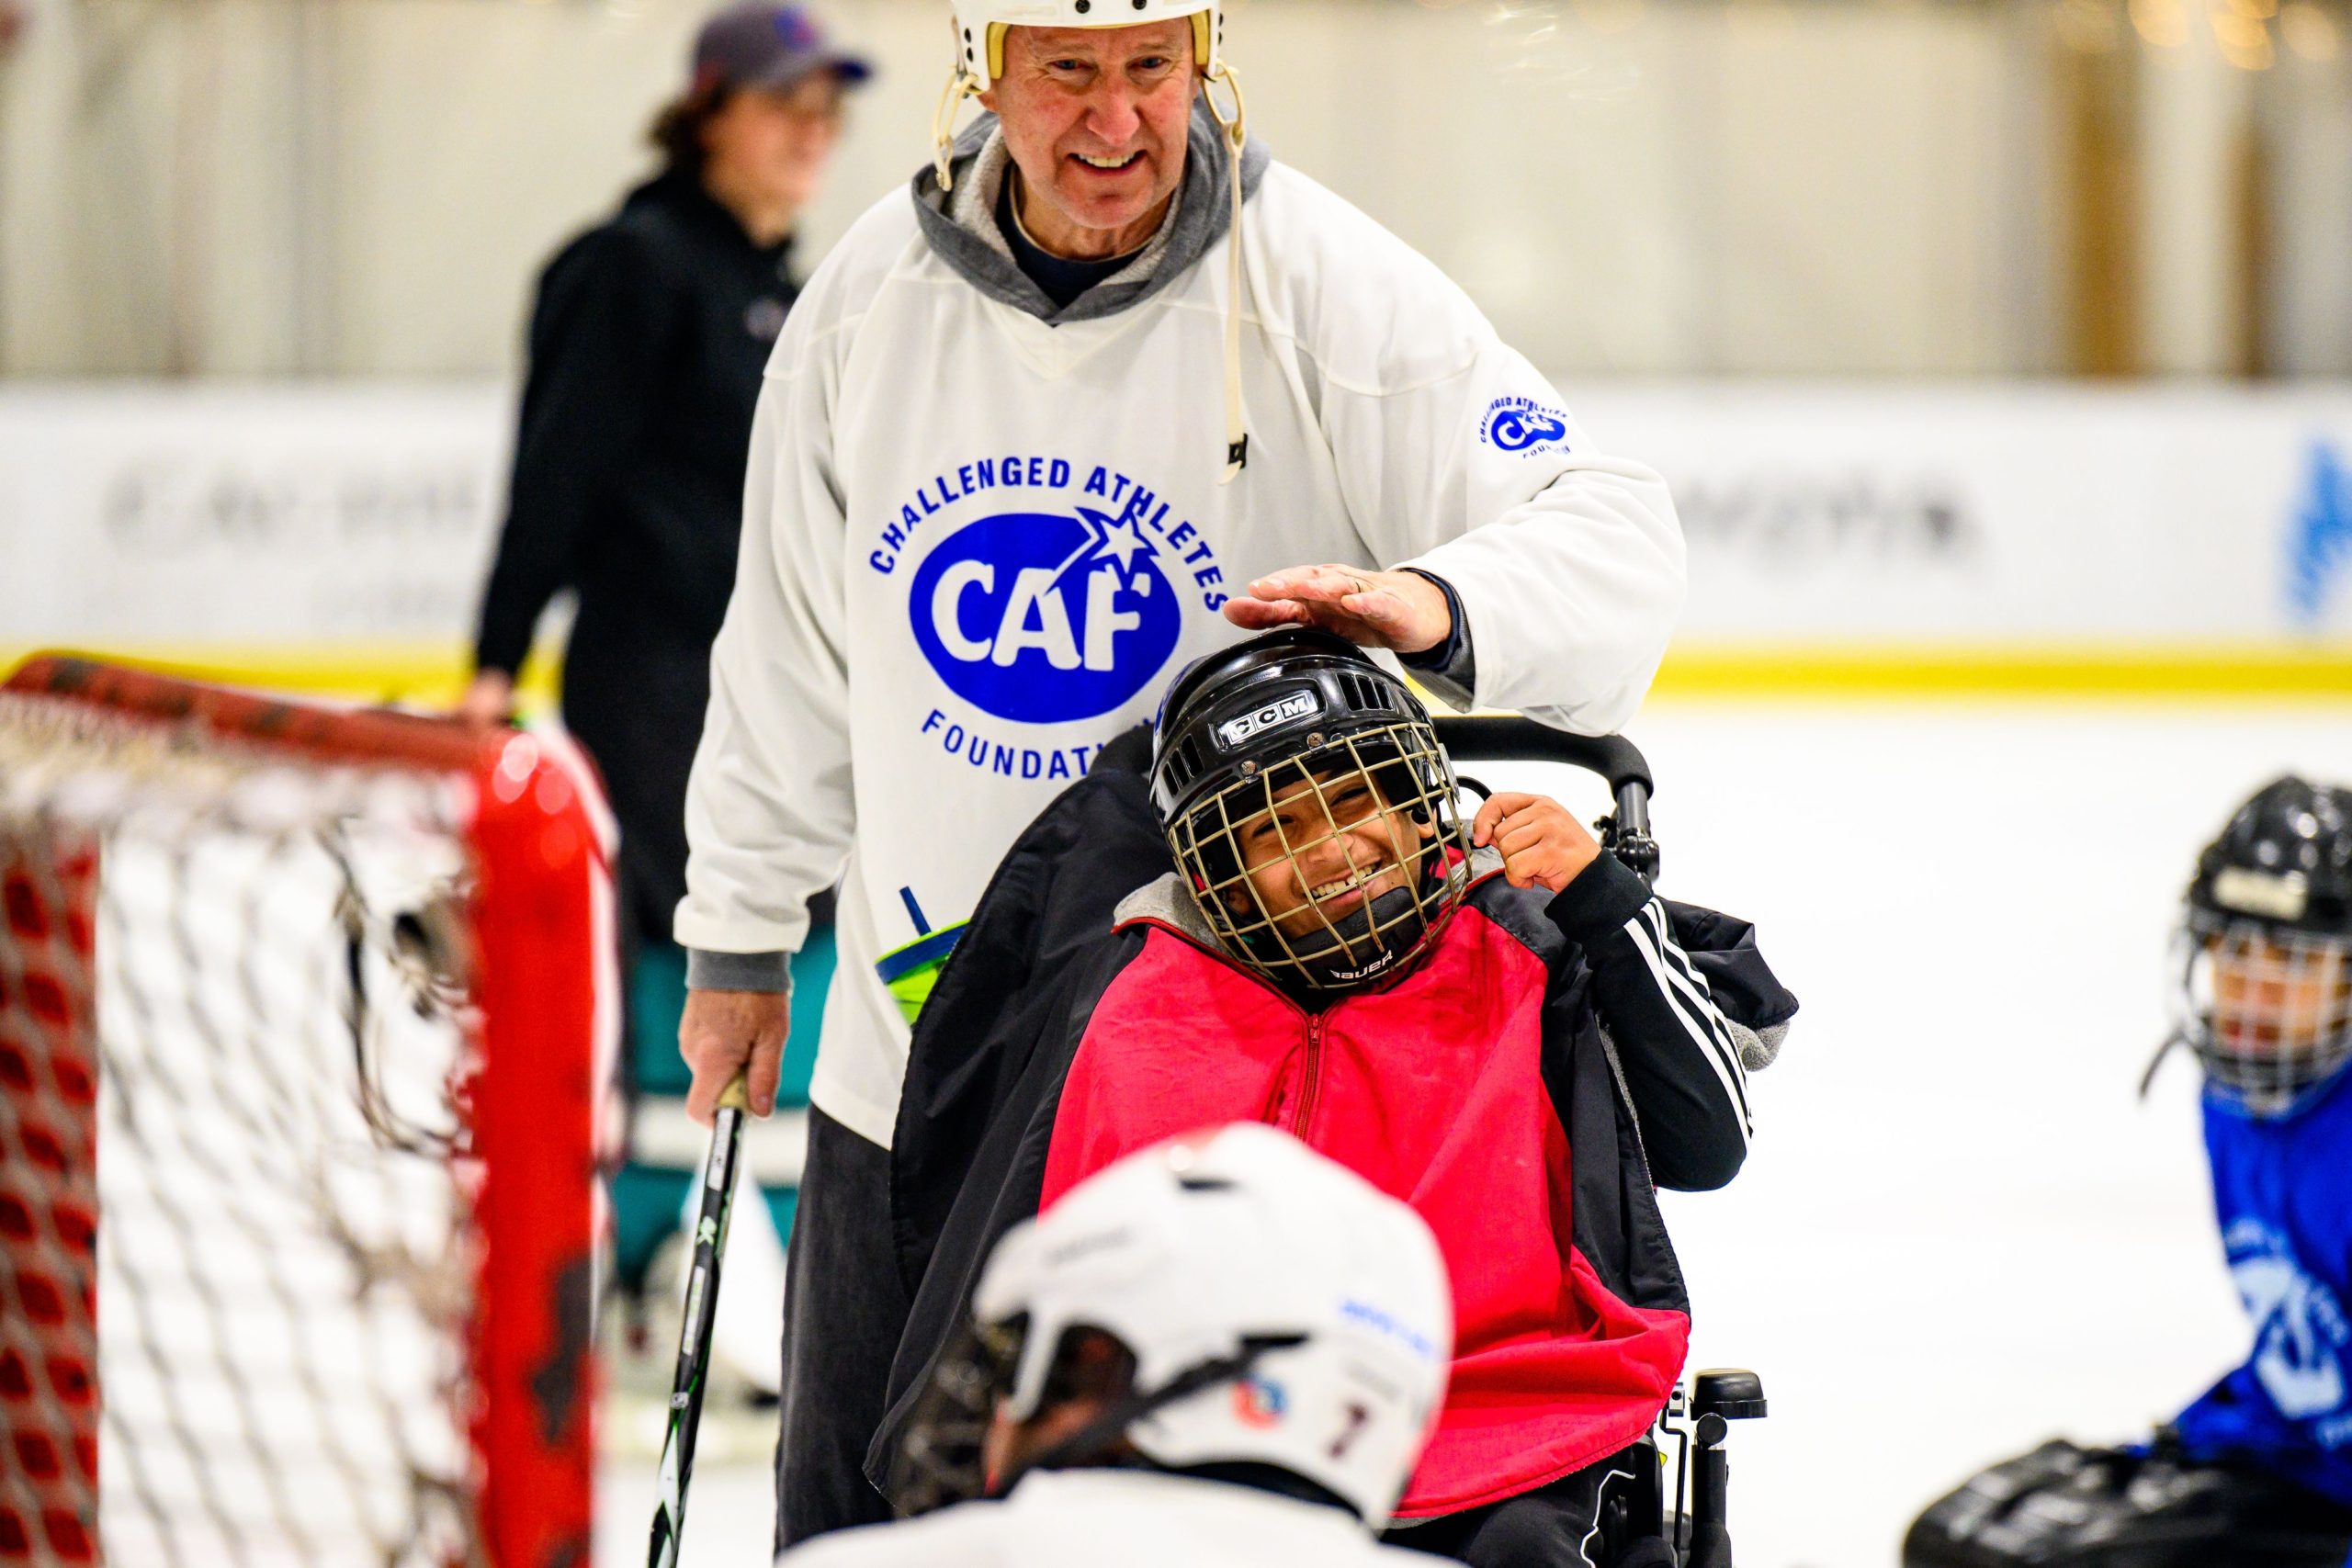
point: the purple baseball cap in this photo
(760, 44)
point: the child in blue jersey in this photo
(2256, 1473)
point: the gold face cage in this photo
(2267, 1008)
(1335, 867)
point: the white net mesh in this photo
(262, 968)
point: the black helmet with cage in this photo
(1295, 756)
(2266, 973)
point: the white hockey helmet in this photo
(1239, 1245)
(980, 25)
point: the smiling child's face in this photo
(1327, 848)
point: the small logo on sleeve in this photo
(1524, 426)
(1259, 1401)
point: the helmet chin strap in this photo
(1237, 136)
(1378, 930)
(2171, 1042)
(961, 86)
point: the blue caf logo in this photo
(1041, 619)
(1523, 424)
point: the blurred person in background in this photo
(646, 342)
(1224, 1350)
(1104, 387)
(2256, 1472)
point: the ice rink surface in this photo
(1960, 1230)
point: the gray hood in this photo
(961, 224)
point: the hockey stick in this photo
(693, 1334)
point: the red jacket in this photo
(1524, 1086)
(1433, 1091)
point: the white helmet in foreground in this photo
(1281, 1311)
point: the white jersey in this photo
(1085, 1518)
(977, 546)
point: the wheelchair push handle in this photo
(1718, 1396)
(1732, 1393)
(1495, 738)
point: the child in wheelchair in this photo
(2257, 1472)
(1494, 1020)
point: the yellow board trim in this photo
(2018, 672)
(431, 675)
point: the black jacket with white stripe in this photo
(1551, 1062)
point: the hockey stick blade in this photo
(693, 1334)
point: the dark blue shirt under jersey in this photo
(1063, 278)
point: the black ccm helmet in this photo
(2266, 977)
(1256, 761)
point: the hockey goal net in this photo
(298, 1012)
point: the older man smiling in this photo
(1107, 388)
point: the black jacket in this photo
(647, 342)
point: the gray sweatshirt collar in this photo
(961, 224)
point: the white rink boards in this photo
(1959, 1232)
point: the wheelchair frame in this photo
(1697, 1416)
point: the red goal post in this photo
(287, 991)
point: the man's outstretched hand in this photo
(1398, 610)
(720, 1033)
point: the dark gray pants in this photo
(843, 1310)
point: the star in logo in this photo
(1120, 541)
(1124, 542)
